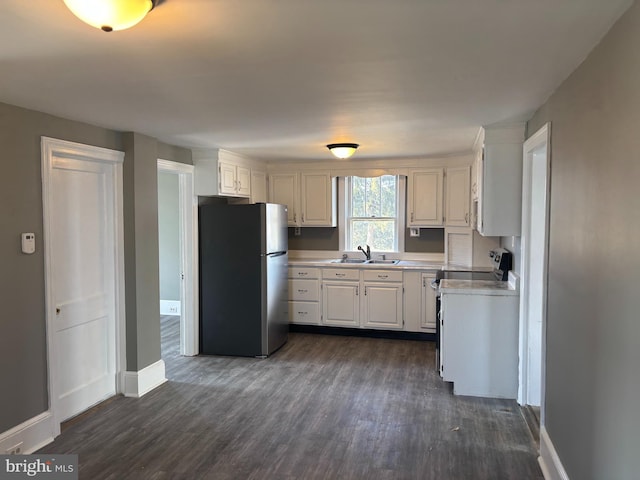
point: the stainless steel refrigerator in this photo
(243, 279)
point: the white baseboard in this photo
(137, 384)
(549, 460)
(170, 307)
(31, 435)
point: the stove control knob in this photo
(492, 254)
(497, 259)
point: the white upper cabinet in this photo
(424, 199)
(457, 191)
(318, 200)
(258, 186)
(222, 173)
(235, 180)
(283, 189)
(310, 197)
(500, 181)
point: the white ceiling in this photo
(279, 79)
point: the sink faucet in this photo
(367, 252)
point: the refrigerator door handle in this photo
(273, 254)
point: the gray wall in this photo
(22, 325)
(169, 235)
(431, 240)
(315, 238)
(593, 328)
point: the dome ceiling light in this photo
(110, 15)
(342, 150)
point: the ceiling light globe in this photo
(110, 15)
(342, 150)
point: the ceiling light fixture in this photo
(109, 15)
(342, 150)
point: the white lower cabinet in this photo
(304, 296)
(341, 297)
(479, 344)
(366, 299)
(340, 303)
(384, 299)
(381, 303)
(428, 303)
(419, 302)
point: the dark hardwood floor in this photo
(323, 407)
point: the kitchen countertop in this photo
(478, 287)
(331, 263)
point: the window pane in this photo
(378, 234)
(373, 197)
(358, 188)
(387, 196)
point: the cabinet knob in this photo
(412, 216)
(466, 217)
(303, 218)
(357, 291)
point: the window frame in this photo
(343, 204)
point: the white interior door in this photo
(83, 269)
(534, 266)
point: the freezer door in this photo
(276, 228)
(275, 323)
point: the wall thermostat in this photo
(28, 243)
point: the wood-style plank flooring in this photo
(323, 407)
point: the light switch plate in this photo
(414, 232)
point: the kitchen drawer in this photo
(382, 275)
(304, 272)
(340, 274)
(308, 290)
(304, 312)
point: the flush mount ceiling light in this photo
(109, 15)
(342, 150)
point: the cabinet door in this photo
(283, 189)
(457, 197)
(425, 198)
(227, 178)
(382, 305)
(258, 187)
(317, 199)
(428, 304)
(243, 179)
(340, 306)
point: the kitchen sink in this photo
(363, 261)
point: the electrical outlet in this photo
(15, 450)
(173, 309)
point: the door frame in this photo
(542, 138)
(51, 147)
(188, 222)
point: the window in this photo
(372, 213)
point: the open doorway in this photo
(533, 294)
(177, 229)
